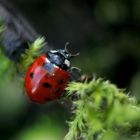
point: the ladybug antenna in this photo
(66, 50)
(66, 47)
(73, 55)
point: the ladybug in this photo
(48, 75)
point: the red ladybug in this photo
(48, 75)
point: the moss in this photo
(101, 111)
(32, 52)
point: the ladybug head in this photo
(61, 57)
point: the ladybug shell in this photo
(45, 84)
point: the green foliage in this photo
(6, 66)
(102, 111)
(32, 52)
(1, 29)
(44, 129)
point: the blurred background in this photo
(107, 35)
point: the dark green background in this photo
(105, 32)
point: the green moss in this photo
(32, 52)
(102, 111)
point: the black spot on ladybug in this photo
(47, 85)
(31, 74)
(47, 99)
(61, 82)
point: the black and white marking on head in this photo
(67, 62)
(64, 54)
(53, 51)
(59, 58)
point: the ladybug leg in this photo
(75, 73)
(75, 69)
(87, 78)
(94, 76)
